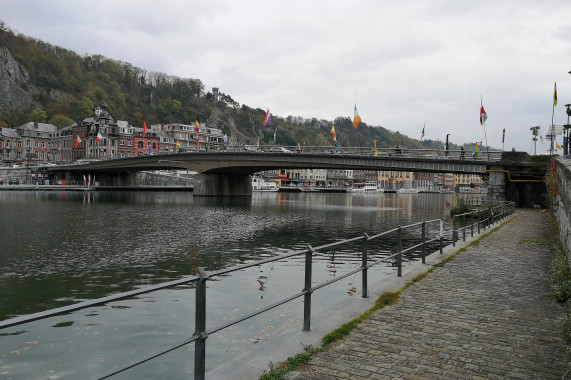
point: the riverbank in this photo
(92, 188)
(486, 314)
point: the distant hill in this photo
(46, 83)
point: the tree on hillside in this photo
(61, 121)
(39, 115)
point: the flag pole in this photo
(551, 129)
(552, 114)
(485, 135)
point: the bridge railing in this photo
(201, 333)
(370, 152)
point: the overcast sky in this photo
(403, 63)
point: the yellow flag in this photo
(555, 95)
(558, 146)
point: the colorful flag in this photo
(422, 134)
(77, 141)
(476, 153)
(555, 95)
(375, 149)
(333, 133)
(483, 115)
(144, 129)
(267, 118)
(177, 145)
(197, 123)
(558, 146)
(99, 137)
(356, 118)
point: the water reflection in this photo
(64, 247)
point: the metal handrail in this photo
(201, 333)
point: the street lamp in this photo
(566, 126)
(446, 149)
(534, 132)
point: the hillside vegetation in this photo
(64, 87)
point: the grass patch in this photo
(385, 299)
(290, 364)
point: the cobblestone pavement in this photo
(487, 314)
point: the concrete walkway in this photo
(487, 314)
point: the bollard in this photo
(472, 224)
(307, 289)
(200, 326)
(364, 266)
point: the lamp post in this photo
(566, 126)
(446, 148)
(534, 133)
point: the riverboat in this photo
(260, 184)
(367, 187)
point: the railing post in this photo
(399, 248)
(423, 242)
(200, 326)
(479, 222)
(454, 231)
(464, 228)
(441, 235)
(307, 289)
(364, 266)
(472, 224)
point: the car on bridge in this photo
(13, 181)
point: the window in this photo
(36, 144)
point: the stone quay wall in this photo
(562, 203)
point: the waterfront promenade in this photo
(487, 314)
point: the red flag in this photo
(99, 137)
(144, 129)
(77, 141)
(483, 115)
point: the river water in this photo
(59, 248)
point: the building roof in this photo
(41, 127)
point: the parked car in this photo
(1, 181)
(14, 181)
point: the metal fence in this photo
(460, 224)
(432, 154)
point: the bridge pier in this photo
(497, 184)
(215, 185)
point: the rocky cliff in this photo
(15, 90)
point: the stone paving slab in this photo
(487, 314)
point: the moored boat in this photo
(260, 184)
